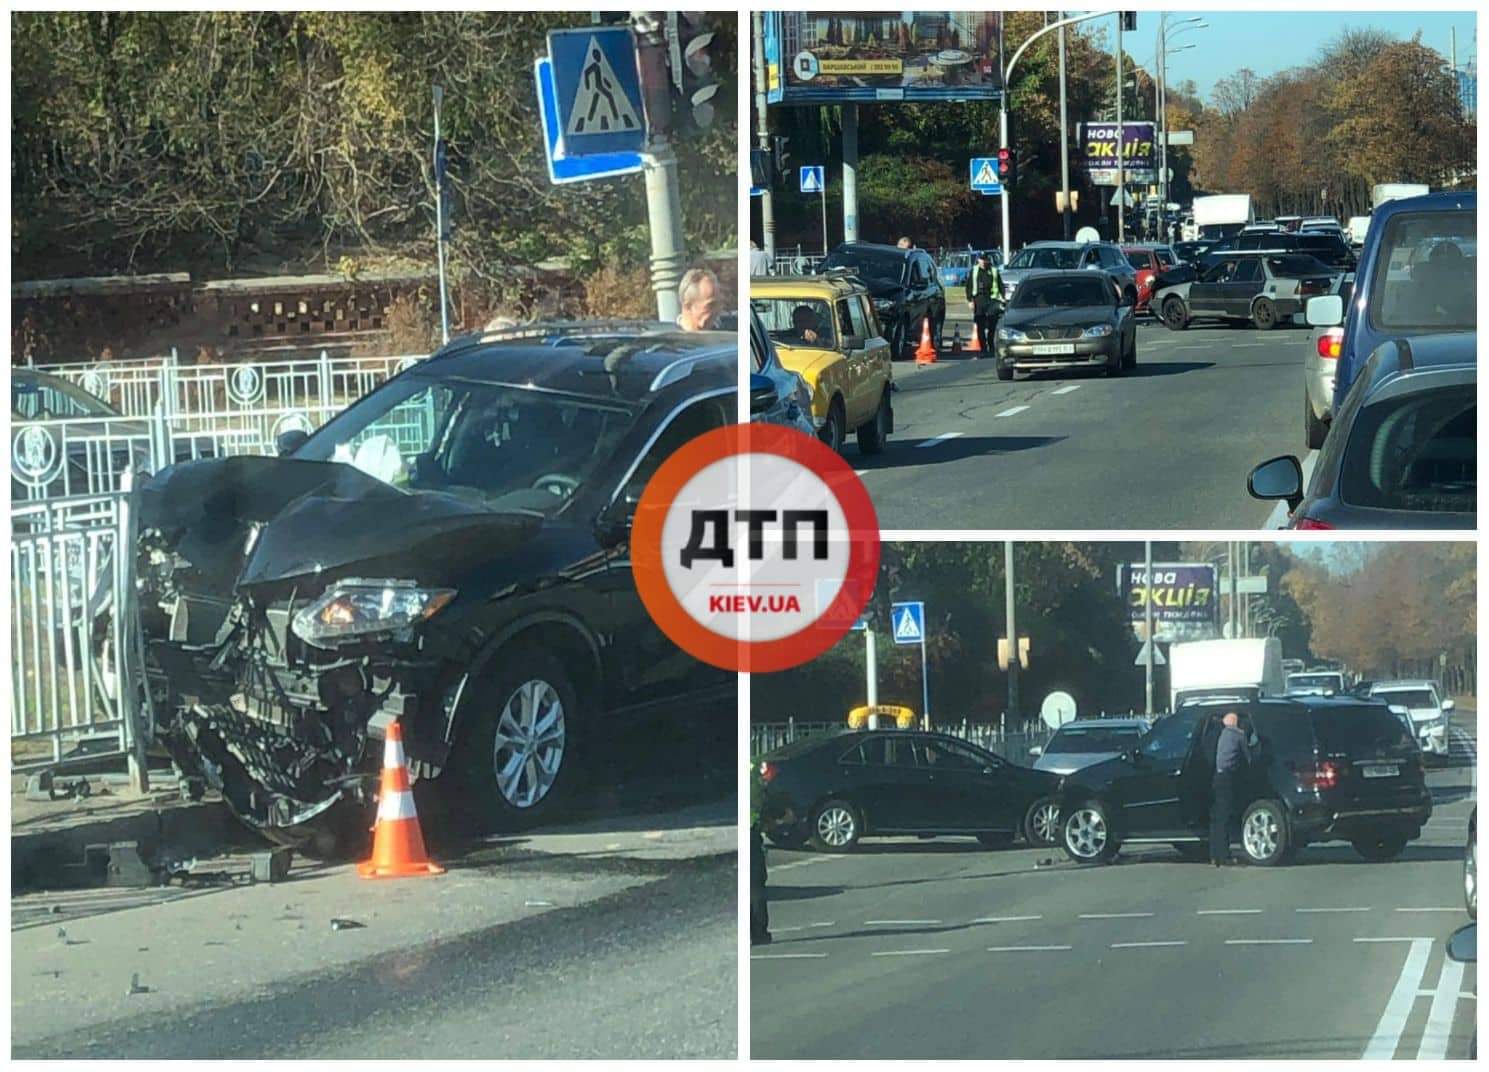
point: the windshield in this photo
(1064, 292)
(1424, 279)
(486, 441)
(956, 260)
(1316, 681)
(796, 321)
(873, 268)
(1413, 698)
(1046, 257)
(1075, 740)
(1415, 452)
(1140, 259)
(35, 399)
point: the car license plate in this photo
(1051, 348)
(1380, 770)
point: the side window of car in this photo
(927, 269)
(946, 756)
(1247, 271)
(1169, 738)
(862, 327)
(702, 415)
(845, 324)
(855, 756)
(1220, 273)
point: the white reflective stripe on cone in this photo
(396, 806)
(392, 754)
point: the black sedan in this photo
(1073, 319)
(1401, 453)
(831, 792)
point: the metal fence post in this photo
(327, 395)
(128, 644)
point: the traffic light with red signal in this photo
(1007, 167)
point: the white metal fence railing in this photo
(1014, 746)
(795, 262)
(76, 651)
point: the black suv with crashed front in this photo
(903, 285)
(1322, 769)
(451, 551)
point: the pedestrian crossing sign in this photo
(598, 90)
(908, 620)
(985, 175)
(812, 179)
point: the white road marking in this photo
(803, 927)
(1028, 948)
(1398, 1009)
(1455, 908)
(1116, 915)
(900, 922)
(1011, 411)
(1144, 945)
(1269, 941)
(802, 863)
(1369, 940)
(1318, 911)
(787, 956)
(1228, 912)
(1065, 391)
(1277, 519)
(909, 952)
(938, 439)
(1005, 919)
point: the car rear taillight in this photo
(1324, 775)
(1331, 343)
(767, 771)
(1310, 523)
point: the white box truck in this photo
(1245, 669)
(1222, 215)
(1382, 192)
(1358, 225)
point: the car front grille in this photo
(1047, 334)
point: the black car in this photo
(1074, 319)
(903, 284)
(450, 551)
(833, 791)
(1192, 250)
(1322, 769)
(1264, 288)
(1401, 453)
(1327, 247)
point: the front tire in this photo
(1042, 822)
(1087, 836)
(836, 827)
(897, 340)
(1264, 315)
(1005, 372)
(833, 432)
(518, 753)
(1130, 361)
(872, 435)
(1265, 839)
(1175, 316)
(1380, 848)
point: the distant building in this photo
(1467, 77)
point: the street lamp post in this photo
(1194, 22)
(439, 218)
(1003, 104)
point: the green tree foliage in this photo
(208, 140)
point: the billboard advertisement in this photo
(828, 57)
(1186, 599)
(1099, 148)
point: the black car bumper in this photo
(1323, 822)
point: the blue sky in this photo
(1272, 41)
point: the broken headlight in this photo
(356, 608)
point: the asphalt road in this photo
(942, 949)
(1168, 445)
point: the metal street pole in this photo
(925, 686)
(823, 194)
(1064, 146)
(871, 666)
(439, 220)
(1121, 145)
(1160, 115)
(1003, 103)
(850, 176)
(659, 163)
(1148, 626)
(762, 131)
(1013, 633)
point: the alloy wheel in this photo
(1260, 835)
(1046, 822)
(835, 826)
(529, 745)
(1086, 833)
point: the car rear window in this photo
(1359, 730)
(1408, 697)
(1296, 265)
(1058, 257)
(1415, 452)
(1139, 259)
(1423, 279)
(1092, 739)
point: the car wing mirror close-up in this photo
(1463, 944)
(287, 442)
(1277, 478)
(762, 394)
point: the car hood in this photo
(1100, 775)
(1046, 318)
(807, 361)
(318, 518)
(1067, 762)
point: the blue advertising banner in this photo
(1185, 598)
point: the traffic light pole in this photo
(1121, 145)
(850, 175)
(659, 163)
(762, 131)
(1003, 106)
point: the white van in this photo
(1246, 669)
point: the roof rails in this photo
(544, 329)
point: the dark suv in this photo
(1322, 769)
(451, 551)
(903, 284)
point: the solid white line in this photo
(1317, 911)
(1027, 948)
(938, 439)
(899, 922)
(1369, 940)
(1228, 912)
(1116, 915)
(909, 952)
(1066, 390)
(1398, 1009)
(1144, 945)
(1269, 941)
(1011, 411)
(1456, 908)
(787, 956)
(803, 927)
(1005, 919)
(804, 863)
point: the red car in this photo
(1149, 262)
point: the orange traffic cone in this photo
(975, 346)
(925, 353)
(397, 842)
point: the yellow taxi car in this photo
(824, 328)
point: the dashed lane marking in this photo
(908, 952)
(1321, 911)
(787, 956)
(1392, 1023)
(801, 863)
(1269, 941)
(1116, 915)
(1455, 908)
(1145, 945)
(900, 922)
(938, 439)
(1385, 939)
(1066, 390)
(1011, 411)
(802, 927)
(1228, 912)
(1006, 919)
(1028, 948)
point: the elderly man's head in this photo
(905, 243)
(698, 295)
(1231, 720)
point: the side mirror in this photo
(1036, 751)
(287, 442)
(762, 394)
(1325, 311)
(1463, 944)
(1279, 478)
(1447, 705)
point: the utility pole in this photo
(1013, 634)
(1148, 627)
(762, 131)
(1064, 145)
(659, 163)
(1160, 115)
(440, 160)
(1121, 145)
(850, 177)
(871, 666)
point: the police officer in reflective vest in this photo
(985, 297)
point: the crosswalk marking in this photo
(1398, 1009)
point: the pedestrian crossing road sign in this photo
(908, 620)
(598, 90)
(985, 175)
(566, 169)
(811, 179)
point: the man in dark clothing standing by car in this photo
(985, 296)
(1231, 758)
(759, 905)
